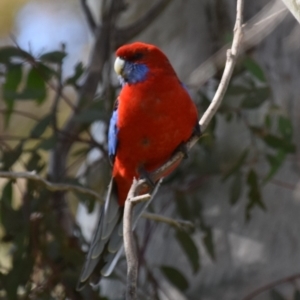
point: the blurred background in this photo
(239, 186)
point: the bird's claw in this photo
(197, 130)
(145, 175)
(183, 149)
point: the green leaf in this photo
(10, 157)
(182, 206)
(88, 200)
(279, 143)
(236, 166)
(190, 249)
(35, 88)
(236, 188)
(276, 296)
(208, 240)
(9, 52)
(268, 121)
(55, 57)
(285, 127)
(35, 163)
(12, 220)
(41, 126)
(175, 277)
(90, 115)
(255, 98)
(79, 69)
(254, 194)
(254, 69)
(47, 144)
(275, 162)
(19, 275)
(297, 295)
(236, 90)
(13, 78)
(81, 151)
(7, 193)
(45, 72)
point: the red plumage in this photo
(155, 116)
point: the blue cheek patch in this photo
(134, 73)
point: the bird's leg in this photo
(197, 130)
(145, 175)
(183, 149)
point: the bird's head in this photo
(136, 61)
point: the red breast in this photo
(154, 117)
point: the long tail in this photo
(106, 246)
(106, 242)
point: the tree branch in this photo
(294, 8)
(104, 44)
(21, 113)
(129, 246)
(54, 187)
(58, 158)
(178, 224)
(122, 35)
(256, 29)
(271, 285)
(88, 15)
(217, 100)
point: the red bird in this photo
(153, 116)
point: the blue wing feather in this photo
(113, 133)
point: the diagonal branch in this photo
(54, 187)
(178, 224)
(294, 7)
(122, 35)
(271, 285)
(232, 55)
(129, 245)
(130, 250)
(58, 158)
(89, 17)
(254, 31)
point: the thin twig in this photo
(130, 250)
(129, 245)
(271, 285)
(57, 97)
(33, 63)
(21, 113)
(58, 159)
(141, 198)
(293, 6)
(89, 17)
(54, 187)
(178, 224)
(256, 29)
(122, 35)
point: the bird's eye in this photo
(136, 56)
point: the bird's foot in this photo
(145, 175)
(197, 130)
(183, 149)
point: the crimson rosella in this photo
(152, 117)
